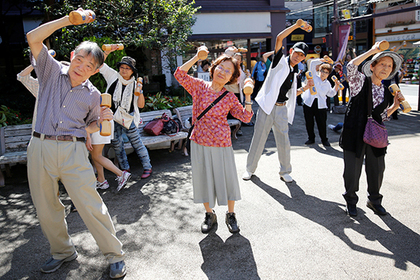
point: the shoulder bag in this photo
(121, 116)
(375, 133)
(188, 143)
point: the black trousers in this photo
(374, 168)
(320, 116)
(344, 92)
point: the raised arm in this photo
(286, 32)
(37, 36)
(374, 50)
(26, 71)
(187, 65)
(267, 55)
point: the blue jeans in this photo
(135, 140)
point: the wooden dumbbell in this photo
(80, 16)
(138, 91)
(52, 53)
(404, 105)
(384, 45)
(108, 47)
(310, 77)
(334, 78)
(106, 127)
(202, 53)
(328, 59)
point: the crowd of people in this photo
(69, 117)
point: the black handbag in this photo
(188, 142)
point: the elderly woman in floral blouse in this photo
(213, 164)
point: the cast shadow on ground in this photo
(25, 248)
(232, 259)
(398, 240)
(330, 151)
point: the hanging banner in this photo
(344, 31)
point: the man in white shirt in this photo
(277, 101)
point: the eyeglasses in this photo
(325, 72)
(220, 67)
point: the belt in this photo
(59, 137)
(281, 103)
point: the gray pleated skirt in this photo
(214, 175)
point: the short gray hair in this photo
(91, 48)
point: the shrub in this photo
(9, 116)
(162, 102)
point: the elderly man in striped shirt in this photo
(68, 106)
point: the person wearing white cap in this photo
(277, 101)
(363, 85)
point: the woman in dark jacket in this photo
(362, 85)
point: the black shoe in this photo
(377, 208)
(326, 143)
(309, 142)
(209, 221)
(231, 223)
(351, 210)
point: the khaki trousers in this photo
(50, 161)
(277, 121)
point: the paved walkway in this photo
(297, 230)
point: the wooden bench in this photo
(13, 143)
(152, 142)
(183, 113)
(14, 140)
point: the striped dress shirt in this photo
(63, 110)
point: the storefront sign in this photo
(400, 37)
(298, 37)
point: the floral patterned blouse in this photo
(213, 129)
(356, 81)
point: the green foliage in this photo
(155, 24)
(161, 102)
(9, 116)
(158, 102)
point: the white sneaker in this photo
(103, 186)
(247, 175)
(122, 180)
(287, 178)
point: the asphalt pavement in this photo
(295, 230)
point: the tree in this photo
(164, 25)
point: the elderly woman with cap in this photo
(121, 86)
(364, 85)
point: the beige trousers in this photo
(50, 161)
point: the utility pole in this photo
(334, 31)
